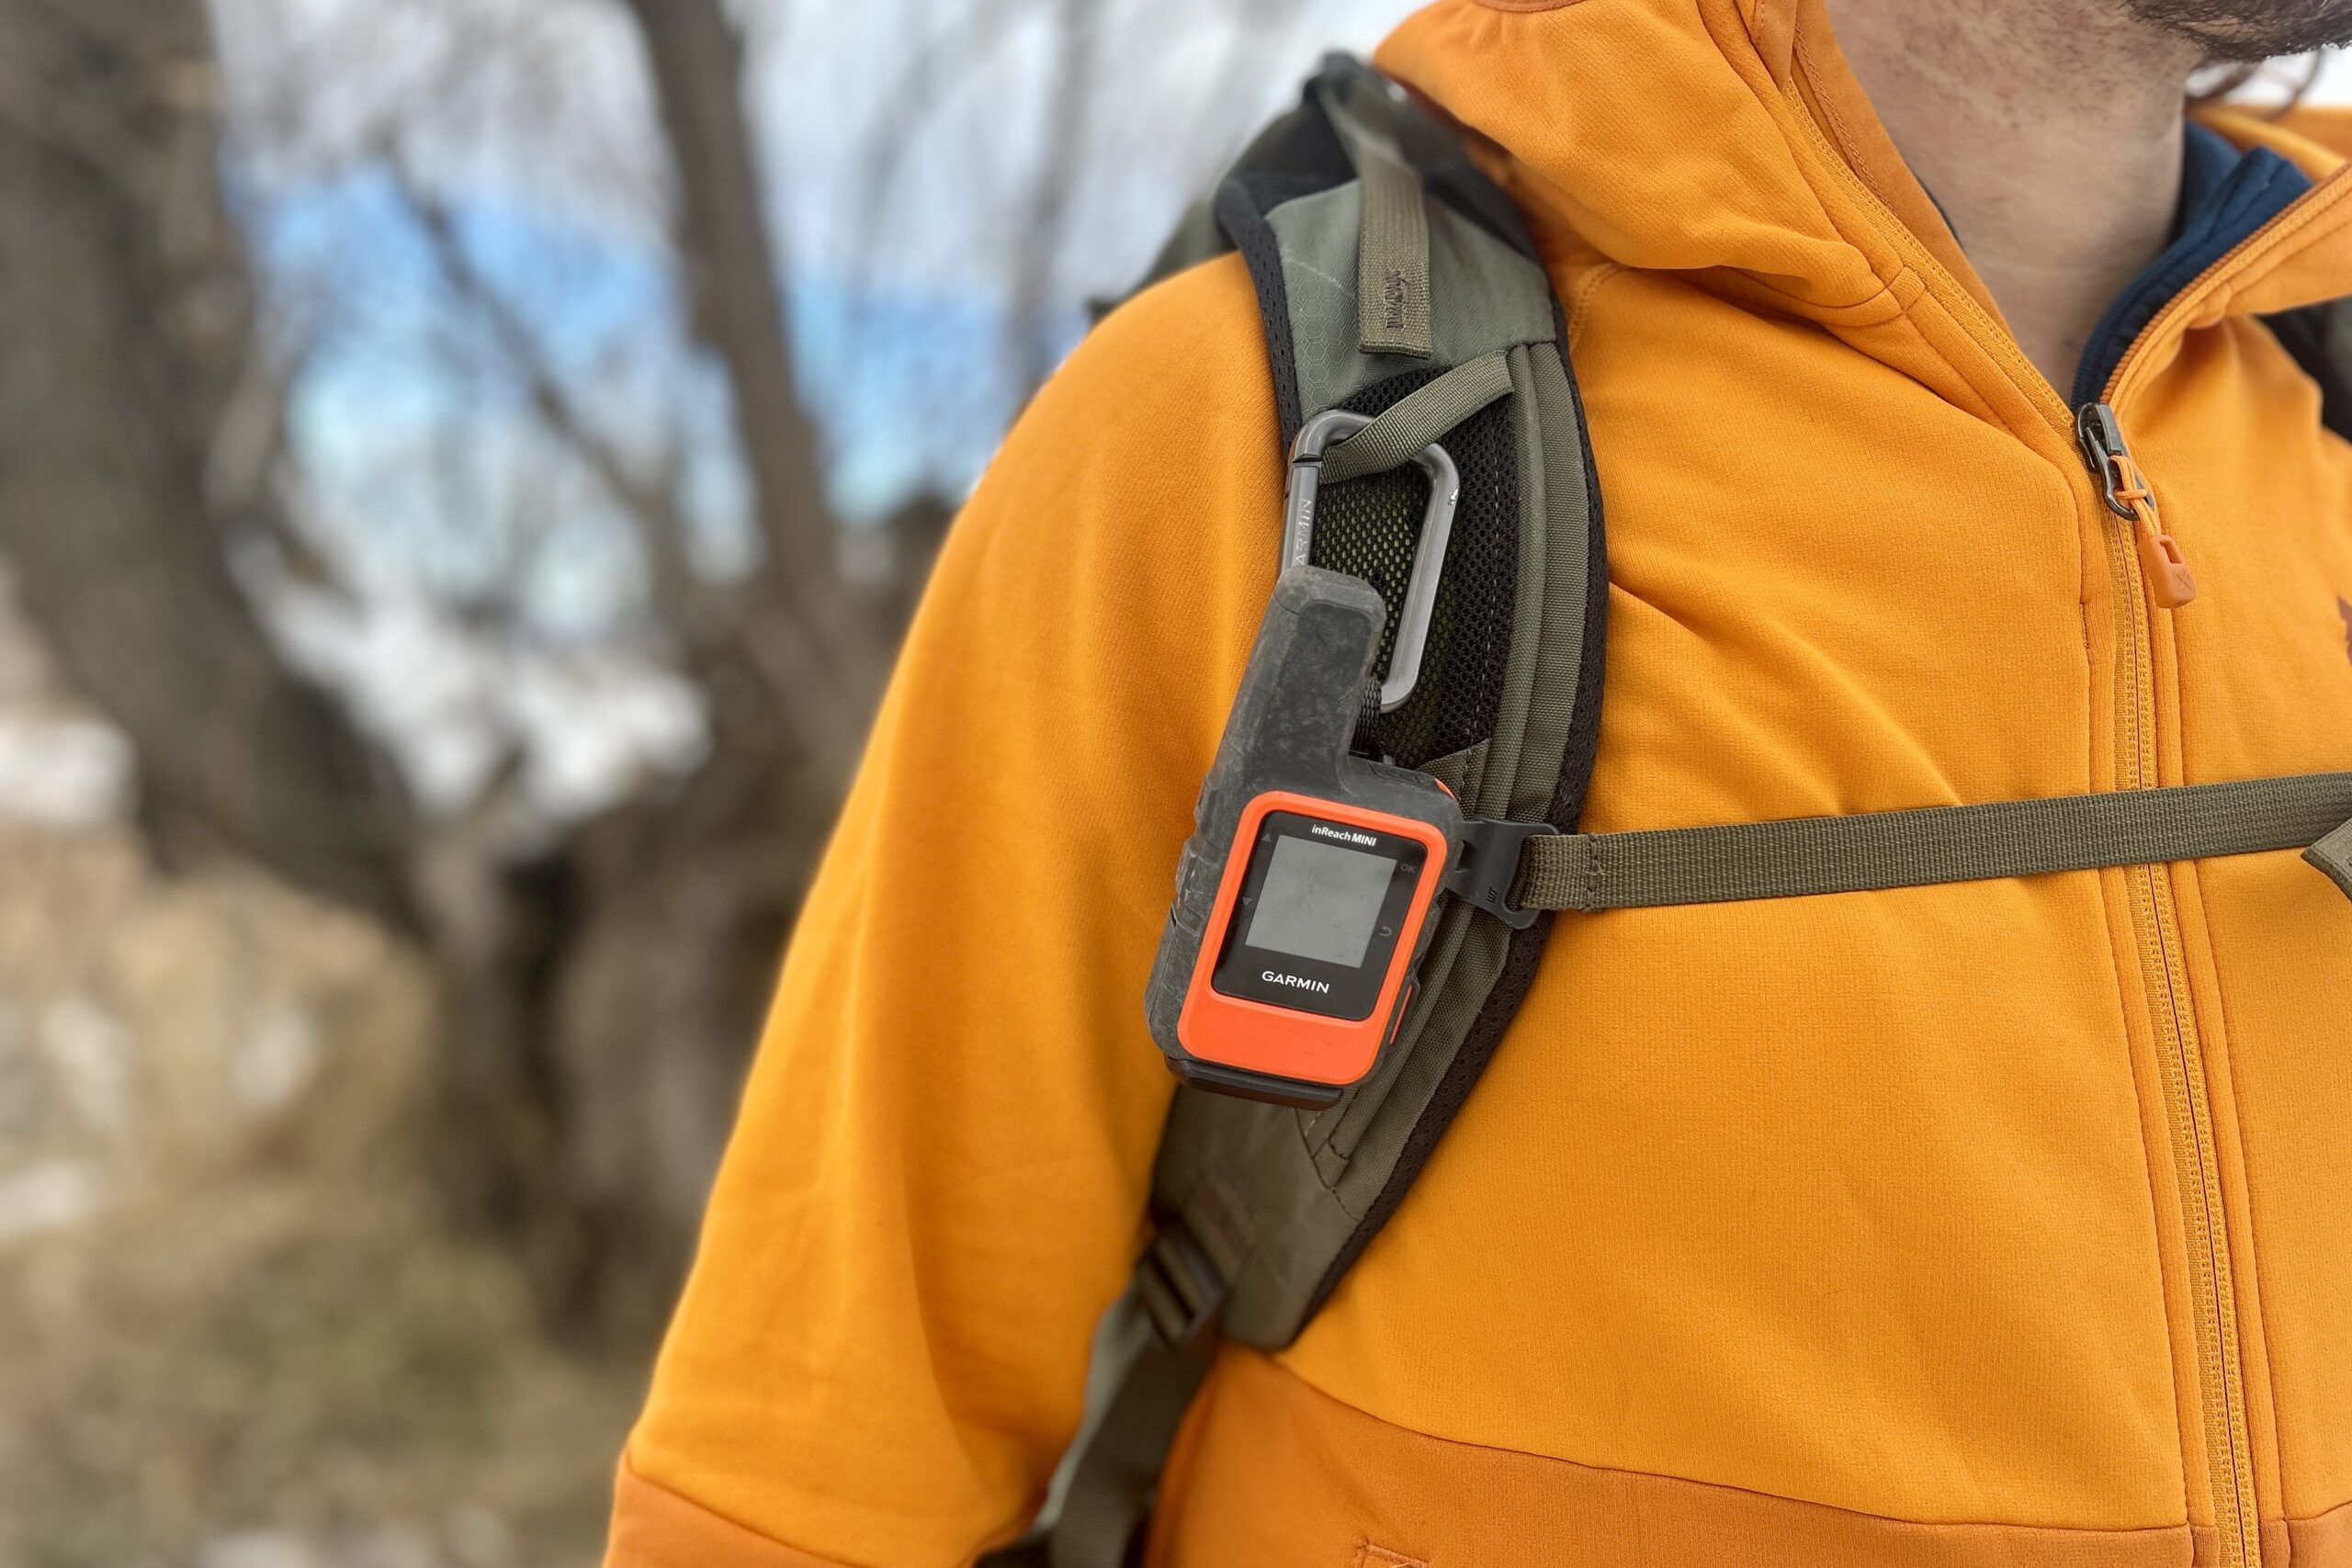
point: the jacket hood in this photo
(1728, 140)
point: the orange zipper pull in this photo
(2168, 576)
(2130, 496)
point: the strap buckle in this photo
(1485, 868)
(1429, 553)
(1180, 1288)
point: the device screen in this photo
(1319, 915)
(1319, 901)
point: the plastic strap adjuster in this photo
(1180, 1288)
(1484, 873)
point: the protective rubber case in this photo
(1286, 752)
(1290, 1009)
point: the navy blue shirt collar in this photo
(2225, 196)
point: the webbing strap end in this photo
(1393, 242)
(1559, 872)
(2332, 855)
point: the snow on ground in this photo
(62, 772)
(592, 723)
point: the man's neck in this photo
(2049, 135)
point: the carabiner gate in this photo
(1319, 434)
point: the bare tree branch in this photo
(700, 615)
(825, 655)
(947, 57)
(1041, 242)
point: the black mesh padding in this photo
(2320, 338)
(1245, 226)
(1370, 527)
(1526, 949)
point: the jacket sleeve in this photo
(937, 1179)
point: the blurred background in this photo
(464, 466)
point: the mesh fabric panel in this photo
(1369, 527)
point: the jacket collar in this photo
(1728, 141)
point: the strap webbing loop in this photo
(1392, 244)
(1805, 856)
(1411, 424)
(1111, 1493)
(1181, 1293)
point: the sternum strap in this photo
(1803, 856)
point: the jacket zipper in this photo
(2146, 564)
(2153, 558)
(2128, 495)
(2133, 556)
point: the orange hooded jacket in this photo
(2003, 1222)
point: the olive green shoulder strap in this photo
(1803, 857)
(1397, 286)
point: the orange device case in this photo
(1258, 1037)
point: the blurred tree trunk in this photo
(689, 898)
(127, 320)
(599, 1000)
(125, 311)
(734, 287)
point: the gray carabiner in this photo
(1428, 555)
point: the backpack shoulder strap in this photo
(2320, 339)
(1391, 273)
(1396, 281)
